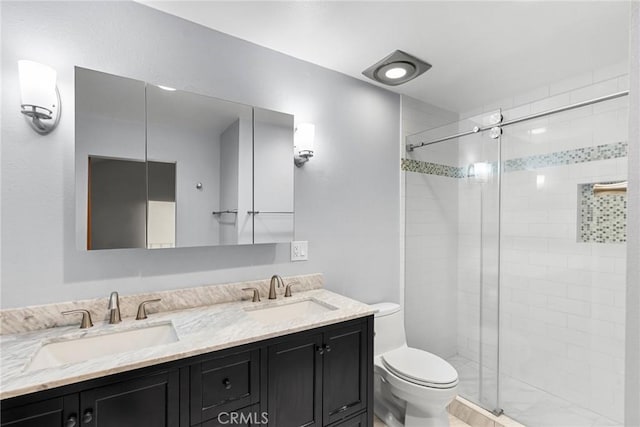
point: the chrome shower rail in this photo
(411, 147)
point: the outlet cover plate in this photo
(299, 250)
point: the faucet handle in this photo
(287, 292)
(114, 308)
(256, 293)
(86, 317)
(142, 312)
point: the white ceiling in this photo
(481, 51)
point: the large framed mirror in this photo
(162, 168)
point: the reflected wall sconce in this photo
(40, 99)
(303, 140)
(480, 171)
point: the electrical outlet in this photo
(299, 250)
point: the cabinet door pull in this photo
(320, 349)
(327, 348)
(227, 383)
(72, 421)
(88, 416)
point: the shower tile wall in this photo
(431, 203)
(562, 300)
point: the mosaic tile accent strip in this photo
(568, 157)
(559, 158)
(603, 217)
(410, 165)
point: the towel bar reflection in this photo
(233, 211)
(268, 212)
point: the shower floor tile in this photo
(527, 404)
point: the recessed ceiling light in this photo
(537, 131)
(395, 72)
(397, 68)
(170, 89)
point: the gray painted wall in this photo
(347, 200)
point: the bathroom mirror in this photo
(110, 161)
(203, 138)
(162, 168)
(273, 176)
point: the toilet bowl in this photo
(412, 387)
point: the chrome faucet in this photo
(114, 308)
(272, 286)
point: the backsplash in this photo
(25, 319)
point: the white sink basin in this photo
(78, 350)
(294, 310)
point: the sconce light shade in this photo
(303, 141)
(480, 171)
(40, 100)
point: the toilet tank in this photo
(388, 326)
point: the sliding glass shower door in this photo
(452, 250)
(516, 256)
(563, 266)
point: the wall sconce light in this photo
(303, 143)
(40, 99)
(480, 171)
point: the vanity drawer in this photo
(224, 384)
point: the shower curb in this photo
(476, 416)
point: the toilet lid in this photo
(420, 367)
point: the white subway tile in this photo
(569, 306)
(548, 259)
(547, 287)
(531, 96)
(571, 83)
(613, 70)
(603, 88)
(623, 83)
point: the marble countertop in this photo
(200, 330)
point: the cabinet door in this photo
(294, 382)
(58, 412)
(344, 372)
(151, 401)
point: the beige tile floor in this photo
(453, 421)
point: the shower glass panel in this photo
(452, 193)
(562, 265)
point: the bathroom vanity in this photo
(230, 360)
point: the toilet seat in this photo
(420, 367)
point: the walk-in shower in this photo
(522, 262)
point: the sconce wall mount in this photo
(40, 99)
(303, 143)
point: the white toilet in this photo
(412, 387)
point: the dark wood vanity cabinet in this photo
(318, 379)
(224, 383)
(321, 377)
(295, 382)
(55, 412)
(149, 401)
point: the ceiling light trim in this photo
(397, 59)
